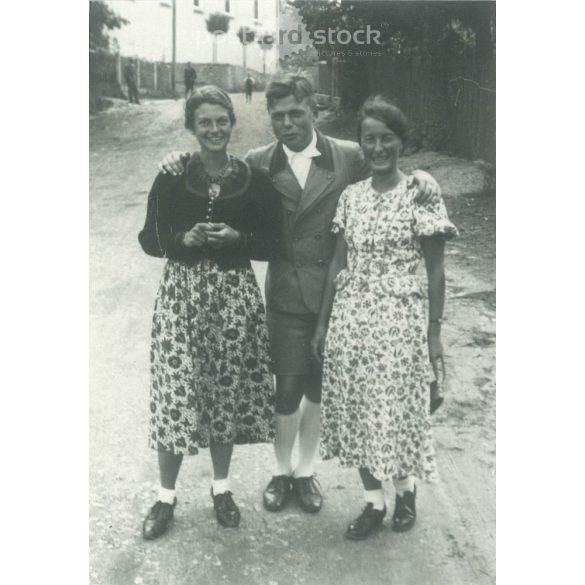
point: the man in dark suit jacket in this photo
(310, 170)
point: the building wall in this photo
(149, 33)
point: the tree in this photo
(217, 24)
(301, 60)
(266, 42)
(425, 29)
(246, 36)
(417, 27)
(101, 19)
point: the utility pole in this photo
(174, 46)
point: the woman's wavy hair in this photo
(207, 94)
(381, 108)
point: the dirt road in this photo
(453, 541)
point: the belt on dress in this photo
(394, 284)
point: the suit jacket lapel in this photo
(318, 180)
(321, 175)
(284, 179)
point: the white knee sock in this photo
(375, 497)
(166, 496)
(287, 427)
(308, 437)
(220, 486)
(403, 484)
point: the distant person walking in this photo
(130, 79)
(249, 83)
(190, 76)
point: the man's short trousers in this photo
(290, 342)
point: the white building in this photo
(149, 32)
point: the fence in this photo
(451, 102)
(154, 78)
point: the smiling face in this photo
(212, 127)
(380, 145)
(292, 122)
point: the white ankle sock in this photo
(166, 496)
(220, 486)
(309, 429)
(375, 497)
(403, 484)
(287, 427)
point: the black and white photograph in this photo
(292, 292)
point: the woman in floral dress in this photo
(373, 333)
(211, 381)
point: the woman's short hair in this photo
(207, 94)
(381, 108)
(296, 85)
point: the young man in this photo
(310, 170)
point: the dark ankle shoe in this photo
(158, 520)
(368, 521)
(404, 515)
(277, 493)
(226, 511)
(308, 493)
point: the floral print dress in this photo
(375, 404)
(211, 378)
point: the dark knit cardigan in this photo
(248, 202)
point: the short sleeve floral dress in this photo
(375, 404)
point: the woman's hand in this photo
(318, 342)
(197, 235)
(222, 236)
(428, 188)
(172, 164)
(436, 355)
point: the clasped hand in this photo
(217, 235)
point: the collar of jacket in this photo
(324, 160)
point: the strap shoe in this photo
(226, 511)
(158, 520)
(404, 515)
(369, 520)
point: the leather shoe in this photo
(158, 520)
(369, 520)
(308, 493)
(226, 511)
(404, 515)
(277, 493)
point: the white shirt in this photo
(300, 162)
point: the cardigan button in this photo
(288, 212)
(318, 237)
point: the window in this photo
(256, 13)
(227, 5)
(195, 3)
